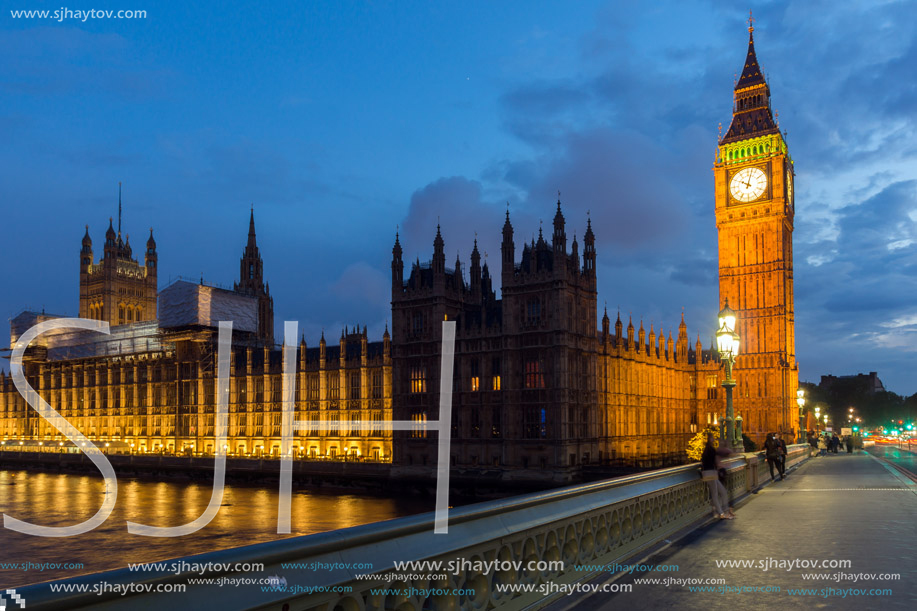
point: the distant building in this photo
(863, 382)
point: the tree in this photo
(696, 444)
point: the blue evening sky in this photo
(339, 121)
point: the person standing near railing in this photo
(719, 498)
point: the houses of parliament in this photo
(543, 388)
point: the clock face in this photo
(748, 185)
(789, 186)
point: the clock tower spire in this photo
(753, 177)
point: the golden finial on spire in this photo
(751, 20)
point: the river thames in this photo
(248, 515)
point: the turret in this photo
(439, 255)
(110, 240)
(386, 343)
(86, 258)
(559, 244)
(681, 349)
(150, 258)
(589, 251)
(574, 255)
(508, 250)
(651, 346)
(476, 273)
(606, 325)
(630, 333)
(397, 267)
(641, 335)
(619, 331)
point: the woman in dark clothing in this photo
(719, 498)
(772, 454)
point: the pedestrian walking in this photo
(772, 454)
(822, 445)
(719, 498)
(813, 444)
(849, 443)
(781, 455)
(835, 442)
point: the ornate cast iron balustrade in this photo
(599, 523)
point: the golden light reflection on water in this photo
(247, 515)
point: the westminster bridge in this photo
(591, 546)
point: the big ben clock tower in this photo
(754, 219)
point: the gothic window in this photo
(417, 324)
(418, 379)
(496, 374)
(334, 386)
(534, 374)
(418, 417)
(533, 312)
(251, 270)
(496, 428)
(355, 385)
(475, 375)
(312, 388)
(534, 423)
(475, 423)
(377, 385)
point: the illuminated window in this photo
(418, 379)
(534, 374)
(475, 375)
(495, 374)
(418, 418)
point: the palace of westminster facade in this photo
(541, 388)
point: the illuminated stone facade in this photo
(117, 289)
(541, 390)
(152, 389)
(754, 217)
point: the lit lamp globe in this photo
(727, 344)
(801, 402)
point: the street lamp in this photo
(817, 418)
(801, 402)
(727, 343)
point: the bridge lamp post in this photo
(727, 343)
(817, 418)
(801, 402)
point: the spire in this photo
(397, 266)
(752, 116)
(87, 241)
(751, 73)
(251, 228)
(119, 208)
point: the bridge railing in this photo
(556, 537)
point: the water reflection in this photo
(247, 515)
